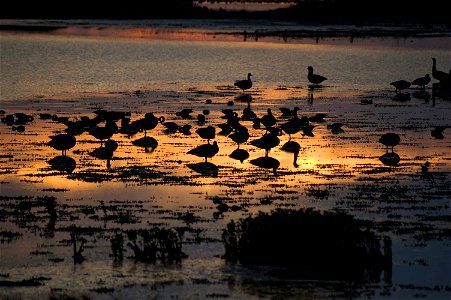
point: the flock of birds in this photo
(232, 128)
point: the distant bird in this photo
(185, 113)
(437, 132)
(440, 75)
(314, 78)
(205, 150)
(62, 142)
(244, 84)
(286, 112)
(422, 82)
(390, 140)
(171, 127)
(336, 128)
(400, 85)
(425, 167)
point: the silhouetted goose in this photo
(400, 85)
(266, 142)
(62, 142)
(171, 127)
(248, 114)
(104, 133)
(207, 133)
(440, 75)
(226, 129)
(240, 136)
(390, 140)
(244, 84)
(239, 154)
(318, 118)
(149, 122)
(314, 78)
(437, 132)
(268, 120)
(286, 112)
(185, 129)
(308, 130)
(205, 150)
(201, 118)
(422, 82)
(292, 147)
(266, 162)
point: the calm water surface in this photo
(71, 75)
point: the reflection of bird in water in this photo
(266, 142)
(422, 82)
(292, 147)
(400, 85)
(205, 150)
(314, 78)
(205, 168)
(390, 140)
(441, 76)
(244, 84)
(425, 167)
(390, 159)
(207, 133)
(437, 132)
(105, 152)
(267, 163)
(63, 163)
(62, 142)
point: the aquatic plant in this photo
(309, 244)
(156, 244)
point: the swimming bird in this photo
(422, 81)
(390, 140)
(314, 78)
(400, 85)
(62, 142)
(205, 150)
(437, 132)
(244, 84)
(440, 75)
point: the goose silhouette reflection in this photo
(205, 168)
(292, 147)
(148, 143)
(266, 162)
(390, 159)
(105, 152)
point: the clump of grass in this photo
(309, 244)
(156, 244)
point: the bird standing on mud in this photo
(314, 78)
(244, 84)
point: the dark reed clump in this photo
(156, 244)
(309, 244)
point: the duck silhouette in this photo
(400, 85)
(244, 84)
(266, 142)
(314, 78)
(207, 133)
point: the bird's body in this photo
(314, 78)
(205, 150)
(266, 142)
(268, 120)
(390, 140)
(437, 132)
(335, 127)
(422, 82)
(207, 133)
(440, 75)
(244, 84)
(62, 142)
(240, 136)
(400, 85)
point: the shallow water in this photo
(74, 75)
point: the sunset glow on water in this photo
(73, 72)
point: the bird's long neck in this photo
(249, 77)
(434, 67)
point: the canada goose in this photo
(314, 78)
(437, 132)
(268, 120)
(400, 85)
(207, 133)
(266, 142)
(244, 84)
(390, 140)
(205, 150)
(62, 142)
(422, 81)
(439, 75)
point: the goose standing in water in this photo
(422, 82)
(205, 150)
(444, 78)
(314, 78)
(244, 84)
(62, 142)
(390, 140)
(400, 85)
